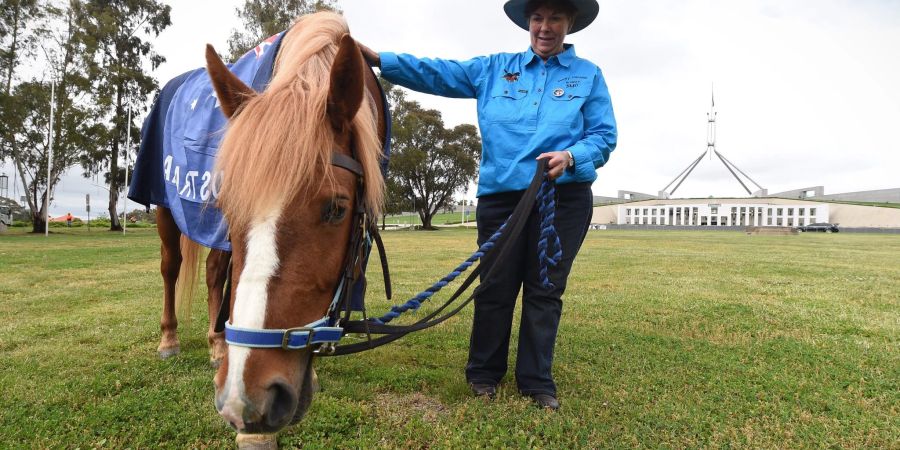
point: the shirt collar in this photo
(565, 58)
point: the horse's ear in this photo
(345, 93)
(230, 90)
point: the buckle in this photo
(286, 339)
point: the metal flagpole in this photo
(127, 149)
(49, 159)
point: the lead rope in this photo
(415, 302)
(549, 241)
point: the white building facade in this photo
(711, 214)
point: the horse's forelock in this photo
(280, 143)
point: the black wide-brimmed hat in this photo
(587, 12)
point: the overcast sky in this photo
(806, 90)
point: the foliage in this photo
(115, 39)
(26, 110)
(264, 18)
(429, 163)
(668, 340)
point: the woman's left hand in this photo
(557, 162)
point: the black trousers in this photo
(541, 307)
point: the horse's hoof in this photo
(257, 442)
(167, 353)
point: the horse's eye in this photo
(334, 212)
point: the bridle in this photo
(323, 333)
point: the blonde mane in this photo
(280, 144)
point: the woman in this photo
(543, 103)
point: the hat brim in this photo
(587, 12)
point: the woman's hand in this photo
(369, 55)
(557, 162)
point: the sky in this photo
(806, 90)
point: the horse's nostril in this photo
(282, 405)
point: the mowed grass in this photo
(668, 339)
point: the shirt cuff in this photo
(389, 62)
(584, 169)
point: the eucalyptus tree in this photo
(115, 37)
(264, 18)
(429, 162)
(18, 41)
(39, 44)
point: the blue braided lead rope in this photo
(415, 302)
(549, 240)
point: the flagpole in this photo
(49, 159)
(127, 148)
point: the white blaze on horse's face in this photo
(251, 299)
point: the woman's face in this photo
(548, 30)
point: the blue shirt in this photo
(525, 107)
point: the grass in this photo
(668, 339)
(438, 219)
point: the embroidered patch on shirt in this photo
(572, 81)
(510, 76)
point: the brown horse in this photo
(288, 208)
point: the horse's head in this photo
(290, 209)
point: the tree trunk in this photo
(426, 219)
(38, 225)
(114, 224)
(38, 218)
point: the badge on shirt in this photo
(558, 92)
(510, 76)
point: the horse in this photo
(288, 194)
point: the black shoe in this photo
(545, 401)
(483, 390)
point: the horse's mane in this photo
(281, 139)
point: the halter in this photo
(322, 332)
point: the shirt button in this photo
(506, 92)
(540, 90)
(535, 103)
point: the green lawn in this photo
(438, 219)
(668, 339)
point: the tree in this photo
(429, 163)
(264, 18)
(396, 200)
(26, 106)
(18, 39)
(115, 38)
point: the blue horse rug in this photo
(180, 139)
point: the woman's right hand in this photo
(369, 55)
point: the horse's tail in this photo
(186, 286)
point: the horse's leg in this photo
(216, 271)
(170, 262)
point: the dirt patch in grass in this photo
(400, 407)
